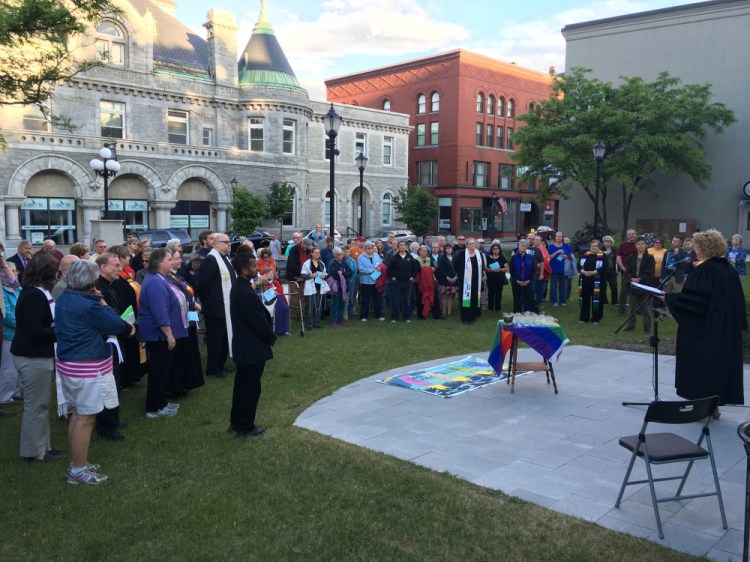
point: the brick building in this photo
(463, 109)
(186, 117)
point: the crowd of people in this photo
(98, 322)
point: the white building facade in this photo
(706, 42)
(185, 119)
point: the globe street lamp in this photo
(106, 168)
(361, 163)
(332, 124)
(599, 150)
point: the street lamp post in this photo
(599, 150)
(106, 167)
(332, 123)
(361, 163)
(493, 213)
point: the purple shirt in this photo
(158, 306)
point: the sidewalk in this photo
(560, 452)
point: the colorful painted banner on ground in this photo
(449, 379)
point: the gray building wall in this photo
(699, 43)
(56, 164)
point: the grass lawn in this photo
(182, 488)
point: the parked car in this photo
(159, 238)
(401, 235)
(307, 233)
(259, 238)
(546, 232)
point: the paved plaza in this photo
(558, 451)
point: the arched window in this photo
(421, 103)
(480, 102)
(435, 102)
(501, 107)
(387, 210)
(490, 104)
(531, 106)
(110, 43)
(511, 109)
(386, 105)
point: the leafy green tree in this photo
(280, 202)
(647, 127)
(247, 211)
(36, 37)
(417, 207)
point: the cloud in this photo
(538, 44)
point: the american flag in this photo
(503, 204)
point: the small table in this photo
(547, 340)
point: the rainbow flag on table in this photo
(547, 340)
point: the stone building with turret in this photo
(185, 118)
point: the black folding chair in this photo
(665, 448)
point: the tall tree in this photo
(280, 202)
(647, 127)
(36, 37)
(417, 207)
(247, 211)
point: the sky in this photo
(330, 38)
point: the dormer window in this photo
(110, 43)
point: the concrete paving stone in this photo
(582, 507)
(624, 526)
(723, 556)
(532, 497)
(731, 542)
(686, 540)
(482, 436)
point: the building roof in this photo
(177, 49)
(651, 13)
(263, 62)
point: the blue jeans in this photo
(558, 291)
(337, 308)
(401, 299)
(541, 288)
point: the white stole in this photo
(468, 274)
(226, 287)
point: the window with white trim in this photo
(112, 117)
(481, 170)
(257, 134)
(420, 134)
(511, 109)
(110, 43)
(387, 210)
(289, 142)
(387, 151)
(480, 102)
(34, 119)
(490, 105)
(386, 105)
(501, 107)
(177, 126)
(360, 144)
(421, 103)
(207, 136)
(427, 173)
(435, 102)
(434, 129)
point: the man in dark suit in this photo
(252, 338)
(21, 258)
(214, 283)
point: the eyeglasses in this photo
(221, 241)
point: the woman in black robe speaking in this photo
(710, 312)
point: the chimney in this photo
(222, 47)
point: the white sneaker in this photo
(381, 319)
(364, 320)
(172, 406)
(163, 413)
(93, 467)
(87, 476)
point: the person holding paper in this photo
(593, 272)
(640, 268)
(187, 369)
(108, 420)
(710, 315)
(497, 267)
(252, 339)
(314, 274)
(83, 324)
(368, 265)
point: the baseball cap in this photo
(480, 241)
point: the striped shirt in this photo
(84, 369)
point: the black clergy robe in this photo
(710, 312)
